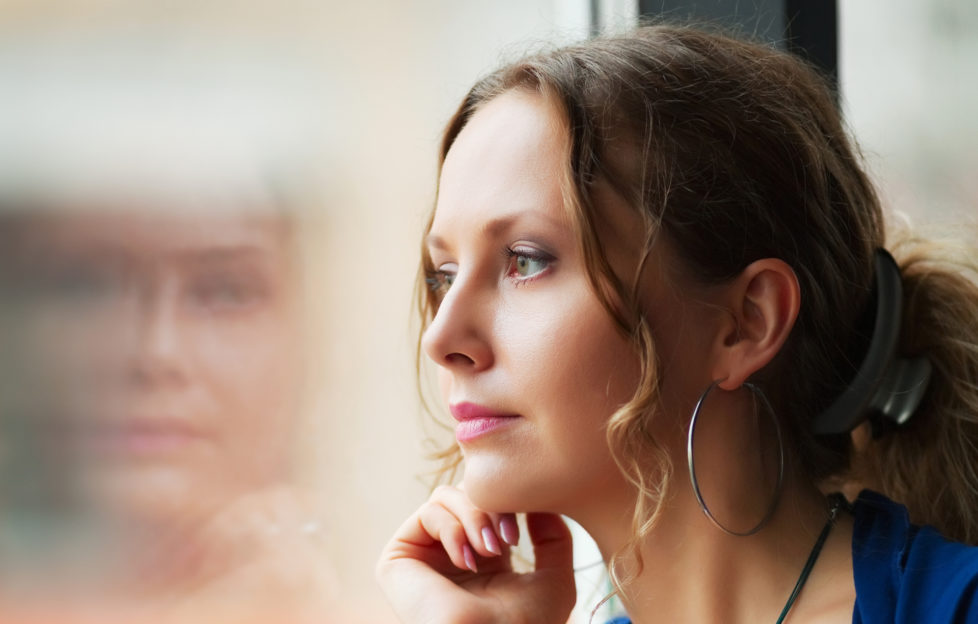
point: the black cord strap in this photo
(838, 502)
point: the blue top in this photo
(906, 574)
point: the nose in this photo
(158, 350)
(458, 338)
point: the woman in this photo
(659, 304)
(151, 428)
(156, 215)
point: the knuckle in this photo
(442, 492)
(454, 534)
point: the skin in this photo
(522, 332)
(500, 327)
(181, 408)
(163, 360)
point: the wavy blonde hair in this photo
(735, 152)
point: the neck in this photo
(694, 572)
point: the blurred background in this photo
(210, 215)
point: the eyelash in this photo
(438, 281)
(532, 254)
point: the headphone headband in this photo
(886, 389)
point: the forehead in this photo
(510, 160)
(151, 233)
(510, 157)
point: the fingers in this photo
(504, 523)
(443, 526)
(508, 529)
(552, 544)
(449, 563)
(464, 530)
(467, 534)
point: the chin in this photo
(501, 486)
(156, 496)
(506, 484)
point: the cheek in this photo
(575, 370)
(580, 361)
(598, 374)
(568, 382)
(252, 370)
(67, 363)
(60, 335)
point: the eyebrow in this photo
(220, 254)
(493, 228)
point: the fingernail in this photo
(469, 557)
(489, 539)
(510, 530)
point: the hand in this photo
(449, 563)
(262, 556)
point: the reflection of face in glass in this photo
(162, 353)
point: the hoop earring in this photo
(692, 469)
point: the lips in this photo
(475, 421)
(142, 437)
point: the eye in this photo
(526, 263)
(221, 291)
(80, 283)
(441, 279)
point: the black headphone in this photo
(886, 389)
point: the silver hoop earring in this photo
(692, 469)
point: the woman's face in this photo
(530, 363)
(161, 354)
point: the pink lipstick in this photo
(475, 421)
(142, 437)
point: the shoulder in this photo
(906, 573)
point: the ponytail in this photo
(931, 464)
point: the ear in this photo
(763, 302)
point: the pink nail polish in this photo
(489, 539)
(469, 557)
(510, 530)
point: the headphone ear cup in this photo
(899, 394)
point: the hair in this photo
(734, 151)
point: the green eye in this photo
(526, 263)
(440, 281)
(526, 266)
